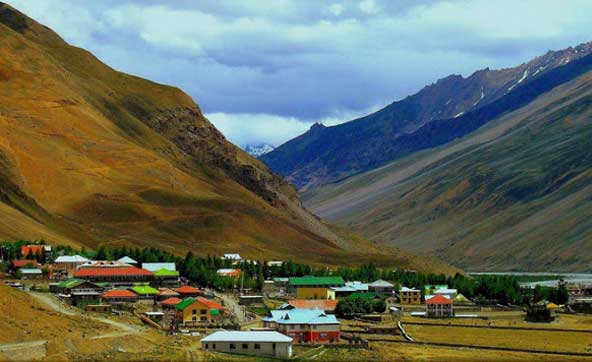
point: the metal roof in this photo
(247, 336)
(127, 259)
(381, 283)
(405, 289)
(71, 259)
(154, 267)
(30, 271)
(301, 316)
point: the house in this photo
(409, 296)
(115, 275)
(165, 293)
(165, 277)
(198, 310)
(310, 287)
(127, 260)
(350, 288)
(30, 273)
(67, 265)
(154, 267)
(439, 306)
(104, 264)
(230, 273)
(382, 287)
(170, 303)
(265, 343)
(187, 291)
(119, 296)
(145, 291)
(34, 250)
(234, 258)
(78, 292)
(304, 325)
(25, 263)
(447, 292)
(328, 306)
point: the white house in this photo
(262, 343)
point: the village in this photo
(246, 308)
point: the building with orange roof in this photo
(119, 296)
(43, 250)
(193, 311)
(170, 303)
(17, 264)
(187, 291)
(327, 306)
(165, 293)
(439, 306)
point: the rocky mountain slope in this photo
(89, 156)
(514, 195)
(327, 154)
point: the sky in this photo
(265, 71)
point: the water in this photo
(572, 278)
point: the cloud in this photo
(287, 63)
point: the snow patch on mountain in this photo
(258, 150)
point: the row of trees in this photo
(503, 289)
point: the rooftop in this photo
(301, 316)
(247, 336)
(126, 271)
(187, 289)
(405, 289)
(24, 262)
(171, 301)
(310, 281)
(144, 290)
(119, 293)
(71, 259)
(154, 267)
(381, 284)
(127, 260)
(208, 303)
(166, 273)
(438, 299)
(31, 271)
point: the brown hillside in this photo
(89, 156)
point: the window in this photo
(207, 346)
(245, 346)
(194, 318)
(232, 346)
(213, 345)
(257, 346)
(194, 311)
(203, 311)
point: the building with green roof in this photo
(145, 291)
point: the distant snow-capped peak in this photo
(258, 150)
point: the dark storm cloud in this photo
(263, 70)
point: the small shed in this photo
(262, 343)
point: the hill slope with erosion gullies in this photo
(328, 154)
(90, 156)
(514, 195)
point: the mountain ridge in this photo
(329, 154)
(91, 156)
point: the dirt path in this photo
(60, 307)
(23, 351)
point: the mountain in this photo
(328, 154)
(91, 156)
(508, 187)
(258, 150)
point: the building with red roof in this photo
(439, 306)
(119, 296)
(24, 263)
(32, 249)
(170, 303)
(188, 291)
(118, 276)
